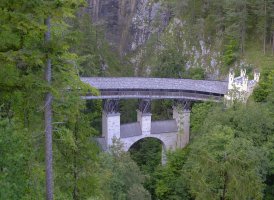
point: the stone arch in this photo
(129, 142)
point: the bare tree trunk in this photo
(225, 185)
(243, 30)
(273, 43)
(75, 189)
(265, 13)
(75, 172)
(48, 122)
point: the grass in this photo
(256, 57)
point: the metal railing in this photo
(124, 94)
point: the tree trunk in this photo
(48, 121)
(265, 14)
(243, 30)
(224, 187)
(273, 43)
(75, 172)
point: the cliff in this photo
(128, 24)
(171, 38)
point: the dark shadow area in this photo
(161, 109)
(147, 153)
(128, 109)
(94, 111)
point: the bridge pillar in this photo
(181, 113)
(144, 116)
(110, 120)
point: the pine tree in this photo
(23, 57)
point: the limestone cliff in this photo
(128, 24)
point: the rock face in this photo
(128, 23)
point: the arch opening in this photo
(148, 153)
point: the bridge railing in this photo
(162, 94)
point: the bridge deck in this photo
(156, 88)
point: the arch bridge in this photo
(172, 133)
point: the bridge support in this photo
(144, 116)
(181, 113)
(110, 120)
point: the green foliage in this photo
(199, 112)
(128, 110)
(231, 156)
(22, 59)
(147, 154)
(252, 122)
(169, 182)
(120, 177)
(93, 110)
(137, 192)
(269, 146)
(222, 166)
(230, 52)
(161, 109)
(75, 159)
(195, 73)
(171, 64)
(20, 173)
(265, 85)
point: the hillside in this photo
(211, 35)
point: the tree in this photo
(20, 173)
(199, 112)
(23, 55)
(265, 86)
(269, 194)
(137, 192)
(170, 184)
(48, 120)
(121, 178)
(147, 154)
(222, 166)
(235, 26)
(171, 64)
(76, 157)
(251, 121)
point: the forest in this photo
(47, 131)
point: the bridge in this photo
(156, 88)
(172, 133)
